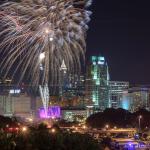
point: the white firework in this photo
(55, 28)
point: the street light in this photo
(30, 119)
(76, 128)
(7, 125)
(24, 129)
(84, 127)
(107, 126)
(140, 117)
(53, 130)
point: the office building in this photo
(63, 78)
(129, 98)
(97, 82)
(139, 97)
(118, 93)
(17, 100)
(71, 115)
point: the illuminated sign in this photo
(15, 91)
(53, 112)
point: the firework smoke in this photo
(39, 34)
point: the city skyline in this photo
(70, 84)
(121, 35)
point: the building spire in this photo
(63, 66)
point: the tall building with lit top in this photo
(97, 82)
(62, 78)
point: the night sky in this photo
(120, 30)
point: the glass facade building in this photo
(118, 94)
(139, 98)
(97, 82)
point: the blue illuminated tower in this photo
(97, 82)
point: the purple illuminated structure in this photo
(53, 112)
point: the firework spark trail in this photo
(56, 28)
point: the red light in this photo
(49, 126)
(13, 129)
(10, 129)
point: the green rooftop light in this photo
(94, 58)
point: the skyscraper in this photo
(62, 78)
(97, 82)
(71, 85)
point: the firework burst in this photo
(38, 34)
